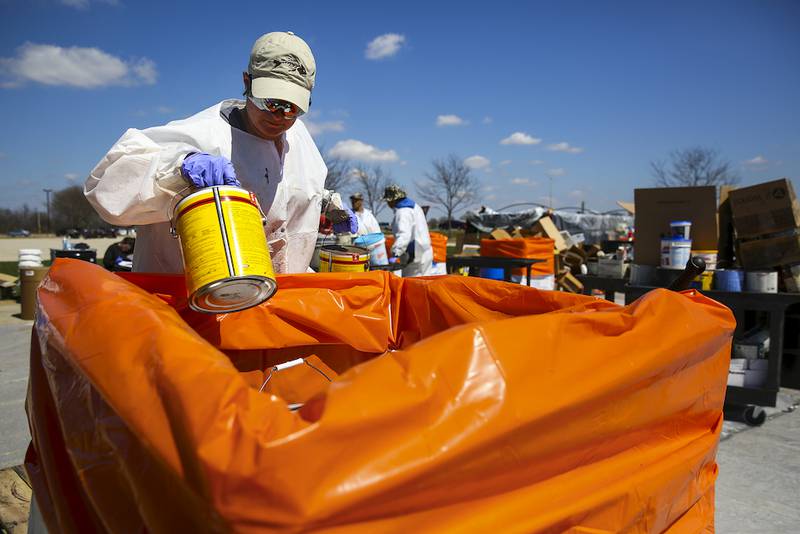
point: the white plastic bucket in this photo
(682, 229)
(30, 257)
(376, 244)
(761, 281)
(675, 252)
(30, 252)
(545, 282)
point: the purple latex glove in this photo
(205, 170)
(350, 226)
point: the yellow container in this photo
(343, 259)
(705, 281)
(225, 255)
(30, 278)
(709, 256)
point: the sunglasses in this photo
(289, 110)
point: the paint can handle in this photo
(171, 210)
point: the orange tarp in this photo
(457, 405)
(523, 247)
(439, 244)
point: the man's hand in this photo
(205, 170)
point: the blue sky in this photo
(580, 94)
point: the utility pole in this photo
(47, 192)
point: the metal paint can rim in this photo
(268, 288)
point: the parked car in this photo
(19, 233)
(89, 233)
(72, 233)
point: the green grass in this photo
(12, 267)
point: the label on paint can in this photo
(225, 254)
(343, 259)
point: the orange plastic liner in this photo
(457, 405)
(439, 244)
(523, 247)
(389, 243)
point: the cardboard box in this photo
(567, 282)
(771, 252)
(657, 207)
(752, 345)
(611, 268)
(725, 243)
(547, 228)
(763, 209)
(499, 233)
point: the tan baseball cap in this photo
(282, 67)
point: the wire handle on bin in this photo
(694, 268)
(289, 365)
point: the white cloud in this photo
(487, 120)
(87, 68)
(450, 120)
(758, 160)
(564, 147)
(520, 138)
(505, 162)
(556, 172)
(523, 181)
(385, 45)
(360, 151)
(71, 176)
(84, 4)
(576, 193)
(537, 162)
(317, 128)
(477, 162)
(488, 188)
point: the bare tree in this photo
(338, 177)
(72, 210)
(370, 182)
(450, 186)
(692, 167)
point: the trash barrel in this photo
(30, 277)
(85, 254)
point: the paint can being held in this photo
(225, 255)
(343, 259)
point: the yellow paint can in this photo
(225, 255)
(343, 259)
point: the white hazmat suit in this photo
(367, 223)
(410, 230)
(139, 182)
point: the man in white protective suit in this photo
(412, 241)
(258, 144)
(367, 223)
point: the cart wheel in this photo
(754, 415)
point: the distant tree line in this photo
(68, 209)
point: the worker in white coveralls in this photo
(367, 223)
(258, 144)
(411, 237)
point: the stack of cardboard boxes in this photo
(766, 222)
